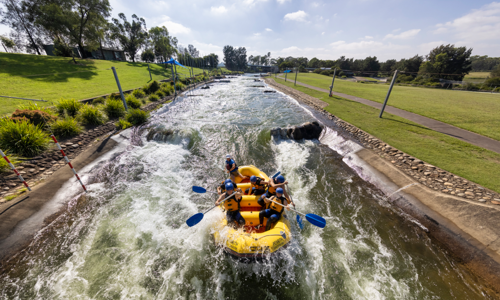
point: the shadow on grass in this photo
(45, 68)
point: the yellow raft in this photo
(249, 242)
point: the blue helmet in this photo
(279, 191)
(229, 186)
(253, 178)
(227, 181)
(280, 179)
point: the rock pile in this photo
(306, 131)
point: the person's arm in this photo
(233, 166)
(220, 199)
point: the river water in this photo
(127, 239)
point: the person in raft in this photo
(273, 213)
(257, 186)
(221, 189)
(273, 184)
(232, 205)
(232, 168)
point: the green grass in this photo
(477, 75)
(52, 78)
(476, 112)
(468, 161)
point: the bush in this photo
(179, 86)
(34, 106)
(167, 91)
(153, 98)
(404, 78)
(68, 106)
(115, 96)
(114, 109)
(137, 116)
(145, 89)
(122, 124)
(139, 93)
(66, 127)
(98, 101)
(153, 87)
(132, 102)
(22, 137)
(493, 82)
(37, 117)
(160, 94)
(91, 115)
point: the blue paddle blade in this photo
(276, 175)
(195, 219)
(299, 221)
(316, 220)
(199, 189)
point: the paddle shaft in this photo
(219, 203)
(285, 206)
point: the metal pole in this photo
(151, 78)
(333, 80)
(119, 88)
(296, 72)
(388, 93)
(286, 73)
(173, 79)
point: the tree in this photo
(313, 63)
(388, 65)
(193, 51)
(7, 43)
(164, 45)
(148, 55)
(79, 22)
(371, 64)
(17, 17)
(448, 62)
(131, 36)
(496, 71)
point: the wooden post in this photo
(333, 80)
(296, 72)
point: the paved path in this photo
(461, 134)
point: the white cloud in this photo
(368, 37)
(480, 25)
(282, 1)
(323, 33)
(269, 29)
(174, 28)
(403, 35)
(252, 2)
(299, 16)
(218, 10)
(315, 4)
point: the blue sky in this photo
(324, 29)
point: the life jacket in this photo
(257, 184)
(231, 204)
(229, 163)
(275, 206)
(271, 189)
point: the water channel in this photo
(128, 239)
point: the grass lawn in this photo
(471, 162)
(476, 112)
(51, 78)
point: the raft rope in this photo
(68, 162)
(15, 170)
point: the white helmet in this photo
(228, 156)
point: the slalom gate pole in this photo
(68, 162)
(15, 170)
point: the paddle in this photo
(195, 219)
(312, 218)
(299, 219)
(200, 190)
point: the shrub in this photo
(153, 87)
(160, 94)
(137, 116)
(114, 109)
(167, 90)
(122, 124)
(4, 166)
(139, 93)
(115, 96)
(404, 78)
(495, 81)
(98, 101)
(22, 137)
(145, 89)
(34, 106)
(37, 117)
(325, 72)
(179, 86)
(91, 115)
(66, 127)
(68, 106)
(132, 102)
(153, 98)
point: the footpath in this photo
(447, 206)
(461, 134)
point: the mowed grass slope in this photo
(471, 162)
(52, 78)
(476, 112)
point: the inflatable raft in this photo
(249, 243)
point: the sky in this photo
(387, 29)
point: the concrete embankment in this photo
(459, 215)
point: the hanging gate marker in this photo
(15, 170)
(69, 163)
